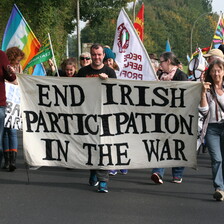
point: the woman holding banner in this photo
(6, 73)
(212, 108)
(169, 64)
(10, 141)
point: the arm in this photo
(205, 88)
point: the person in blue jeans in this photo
(10, 141)
(10, 145)
(212, 107)
(6, 73)
(169, 65)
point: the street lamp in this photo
(194, 26)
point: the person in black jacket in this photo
(169, 64)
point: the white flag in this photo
(131, 56)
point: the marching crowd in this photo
(101, 62)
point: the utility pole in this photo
(78, 31)
(134, 5)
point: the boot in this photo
(1, 157)
(12, 163)
(6, 158)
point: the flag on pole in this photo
(131, 55)
(18, 33)
(219, 33)
(39, 70)
(43, 55)
(139, 23)
(168, 48)
(204, 50)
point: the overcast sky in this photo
(218, 5)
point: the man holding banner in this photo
(97, 69)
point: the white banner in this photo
(131, 56)
(112, 124)
(13, 118)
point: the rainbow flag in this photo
(139, 22)
(43, 55)
(18, 33)
(219, 33)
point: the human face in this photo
(85, 60)
(97, 57)
(109, 62)
(217, 74)
(164, 64)
(70, 70)
(17, 61)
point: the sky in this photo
(217, 6)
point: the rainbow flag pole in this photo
(18, 33)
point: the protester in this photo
(213, 54)
(10, 140)
(221, 47)
(155, 63)
(68, 68)
(85, 59)
(109, 60)
(171, 72)
(97, 69)
(6, 73)
(212, 108)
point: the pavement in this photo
(52, 195)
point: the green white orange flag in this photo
(139, 22)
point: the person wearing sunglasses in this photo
(85, 59)
(169, 65)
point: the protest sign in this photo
(13, 117)
(111, 124)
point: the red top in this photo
(4, 75)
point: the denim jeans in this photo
(2, 121)
(176, 171)
(10, 140)
(102, 175)
(215, 143)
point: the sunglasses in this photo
(83, 58)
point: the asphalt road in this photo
(58, 195)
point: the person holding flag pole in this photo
(54, 61)
(45, 53)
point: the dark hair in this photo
(221, 47)
(96, 46)
(170, 56)
(69, 61)
(14, 52)
(218, 62)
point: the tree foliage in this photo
(164, 19)
(170, 19)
